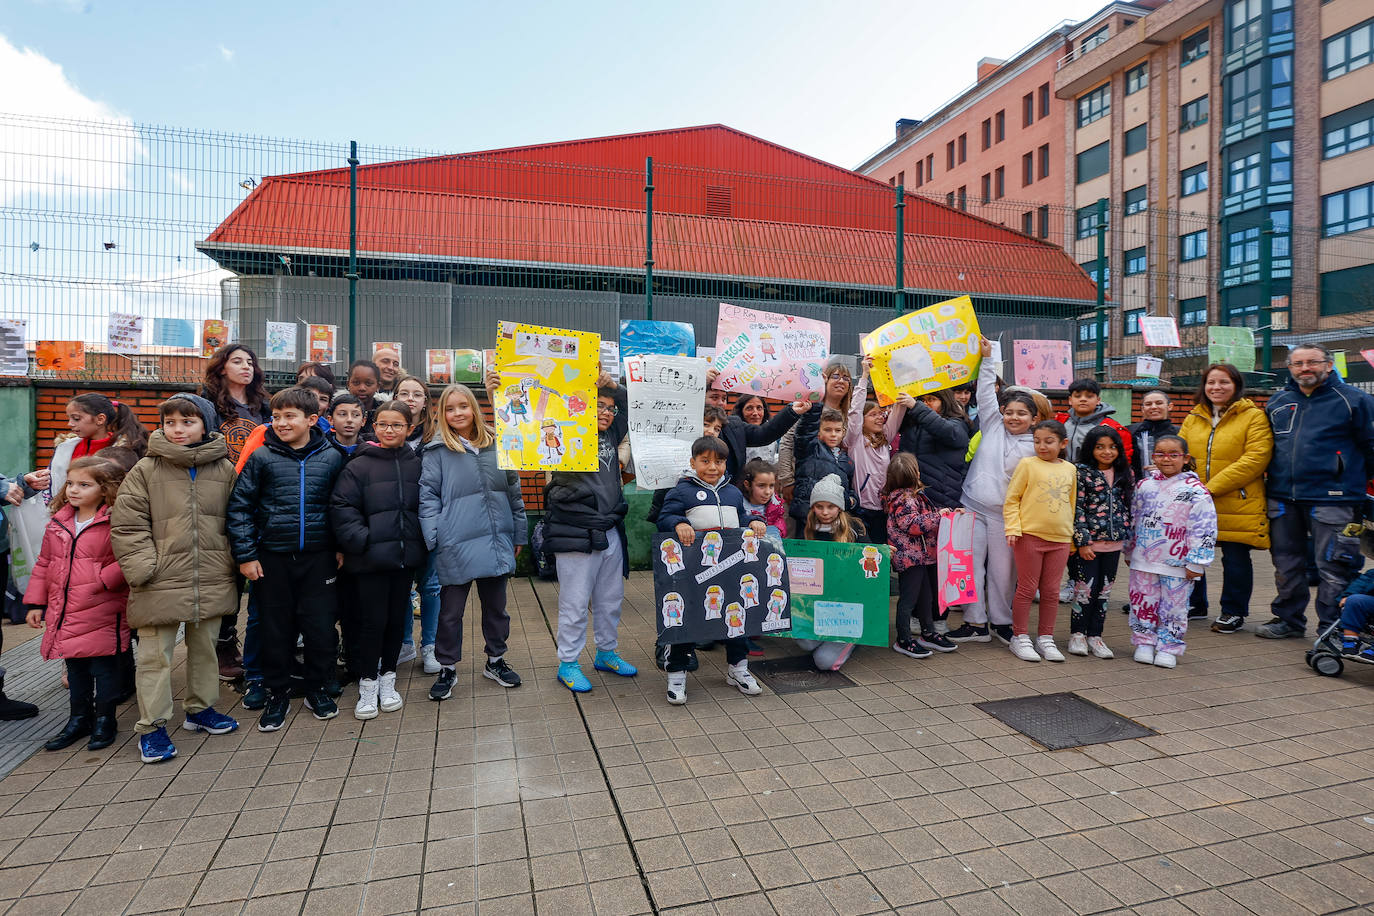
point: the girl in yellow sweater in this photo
(1039, 524)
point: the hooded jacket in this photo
(281, 500)
(376, 510)
(168, 528)
(583, 510)
(998, 454)
(470, 512)
(1231, 459)
(913, 527)
(939, 444)
(1173, 525)
(1143, 436)
(77, 581)
(703, 505)
(1078, 428)
(1323, 443)
(822, 461)
(1102, 511)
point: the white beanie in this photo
(829, 489)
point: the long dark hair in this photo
(1232, 372)
(217, 391)
(120, 421)
(745, 399)
(949, 408)
(1122, 478)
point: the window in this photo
(1245, 89)
(1193, 246)
(1192, 311)
(1137, 78)
(930, 167)
(949, 153)
(1091, 268)
(1281, 81)
(1193, 114)
(1281, 16)
(1027, 169)
(1093, 40)
(920, 173)
(987, 187)
(1085, 221)
(1347, 51)
(901, 178)
(1281, 246)
(1134, 200)
(1094, 162)
(1094, 105)
(963, 148)
(1136, 139)
(1135, 261)
(1347, 211)
(1244, 22)
(1028, 109)
(999, 126)
(1044, 220)
(1028, 222)
(1194, 47)
(999, 182)
(1193, 180)
(949, 199)
(1347, 131)
(963, 197)
(987, 132)
(1044, 154)
(1244, 172)
(1132, 320)
(1243, 247)
(1280, 161)
(1087, 331)
(1044, 92)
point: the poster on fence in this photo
(1043, 364)
(667, 395)
(14, 356)
(1368, 356)
(610, 359)
(1232, 345)
(545, 398)
(124, 333)
(174, 332)
(770, 354)
(281, 340)
(323, 343)
(1338, 363)
(1159, 331)
(665, 338)
(379, 345)
(213, 335)
(730, 582)
(59, 356)
(1148, 366)
(928, 350)
(467, 367)
(954, 579)
(839, 591)
(439, 367)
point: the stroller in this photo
(1325, 656)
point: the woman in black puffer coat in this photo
(936, 430)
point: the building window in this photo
(1347, 131)
(920, 173)
(1044, 154)
(1134, 200)
(999, 182)
(1193, 180)
(963, 197)
(1085, 221)
(1027, 169)
(1087, 331)
(930, 167)
(1094, 105)
(1245, 90)
(999, 126)
(1244, 172)
(1194, 47)
(1091, 268)
(1132, 321)
(1028, 109)
(1192, 311)
(1281, 81)
(1044, 219)
(987, 132)
(1243, 247)
(963, 148)
(1281, 246)
(949, 199)
(1135, 261)
(1193, 114)
(1281, 16)
(1347, 51)
(949, 156)
(1028, 222)
(1244, 22)
(901, 178)
(1347, 211)
(1135, 140)
(1137, 78)
(1093, 40)
(1193, 246)
(1280, 161)
(1094, 162)
(1044, 92)
(987, 187)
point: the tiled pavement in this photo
(894, 795)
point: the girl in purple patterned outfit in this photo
(1102, 518)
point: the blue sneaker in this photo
(609, 661)
(571, 676)
(156, 747)
(210, 722)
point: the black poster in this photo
(730, 582)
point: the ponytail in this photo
(120, 421)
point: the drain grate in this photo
(797, 674)
(1063, 720)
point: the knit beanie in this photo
(829, 489)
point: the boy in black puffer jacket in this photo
(280, 533)
(825, 456)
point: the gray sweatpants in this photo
(595, 581)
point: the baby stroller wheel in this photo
(1328, 665)
(1308, 659)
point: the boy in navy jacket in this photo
(824, 456)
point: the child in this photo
(474, 523)
(413, 392)
(77, 594)
(1039, 517)
(584, 528)
(168, 532)
(347, 419)
(824, 456)
(868, 440)
(95, 422)
(376, 514)
(1172, 540)
(1102, 519)
(325, 392)
(1086, 411)
(1357, 609)
(279, 531)
(704, 500)
(761, 501)
(364, 380)
(826, 521)
(913, 527)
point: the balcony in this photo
(1079, 71)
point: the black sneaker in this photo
(1350, 648)
(274, 712)
(967, 632)
(443, 685)
(321, 704)
(255, 695)
(936, 641)
(1197, 615)
(1228, 623)
(910, 648)
(1003, 633)
(501, 673)
(333, 688)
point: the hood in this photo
(188, 456)
(208, 415)
(375, 450)
(1102, 410)
(271, 440)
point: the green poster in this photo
(840, 592)
(1232, 345)
(1119, 398)
(1338, 360)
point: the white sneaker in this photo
(387, 697)
(1145, 655)
(407, 653)
(367, 699)
(1078, 644)
(677, 688)
(1098, 647)
(431, 663)
(739, 676)
(1066, 593)
(1048, 649)
(1165, 660)
(1022, 648)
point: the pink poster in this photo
(1043, 364)
(769, 354)
(954, 559)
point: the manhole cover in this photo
(1060, 720)
(797, 674)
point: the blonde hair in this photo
(846, 529)
(482, 434)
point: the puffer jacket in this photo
(740, 436)
(78, 582)
(281, 500)
(470, 512)
(376, 510)
(1323, 443)
(585, 509)
(1173, 525)
(913, 528)
(1231, 459)
(939, 445)
(169, 533)
(1102, 511)
(702, 505)
(822, 461)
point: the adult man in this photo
(1323, 458)
(388, 362)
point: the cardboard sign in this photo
(124, 333)
(1159, 331)
(281, 340)
(323, 342)
(728, 583)
(610, 359)
(770, 354)
(1148, 366)
(1043, 364)
(665, 338)
(1232, 345)
(955, 582)
(931, 349)
(213, 335)
(839, 591)
(439, 366)
(467, 366)
(14, 357)
(59, 356)
(1338, 363)
(545, 401)
(667, 395)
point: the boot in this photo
(103, 729)
(13, 710)
(230, 664)
(78, 727)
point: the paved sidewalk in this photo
(893, 795)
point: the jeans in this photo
(1338, 557)
(1237, 582)
(427, 582)
(1092, 581)
(1358, 611)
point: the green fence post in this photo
(1101, 289)
(1267, 295)
(352, 250)
(649, 238)
(900, 207)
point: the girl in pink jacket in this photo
(78, 595)
(868, 439)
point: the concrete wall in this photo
(17, 420)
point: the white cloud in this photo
(183, 183)
(227, 54)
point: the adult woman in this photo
(1155, 422)
(837, 390)
(1231, 441)
(234, 384)
(936, 430)
(753, 410)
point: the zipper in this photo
(195, 546)
(401, 506)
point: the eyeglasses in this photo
(1170, 455)
(390, 426)
(608, 408)
(1308, 364)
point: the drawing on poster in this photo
(839, 591)
(672, 610)
(702, 601)
(281, 340)
(1045, 365)
(749, 589)
(323, 342)
(770, 354)
(775, 569)
(671, 554)
(928, 350)
(546, 383)
(213, 335)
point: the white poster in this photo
(610, 359)
(1148, 366)
(14, 358)
(281, 340)
(125, 333)
(667, 395)
(1159, 331)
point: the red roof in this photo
(725, 204)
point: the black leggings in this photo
(383, 610)
(453, 599)
(915, 592)
(94, 683)
(1092, 580)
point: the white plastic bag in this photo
(27, 521)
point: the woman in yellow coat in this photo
(1230, 439)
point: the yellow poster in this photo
(545, 401)
(923, 351)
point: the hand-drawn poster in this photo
(281, 340)
(665, 338)
(769, 354)
(1148, 366)
(59, 356)
(1232, 345)
(1338, 363)
(467, 367)
(213, 335)
(1159, 331)
(545, 400)
(839, 591)
(439, 366)
(931, 349)
(729, 583)
(124, 333)
(1046, 365)
(667, 395)
(954, 579)
(14, 356)
(323, 342)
